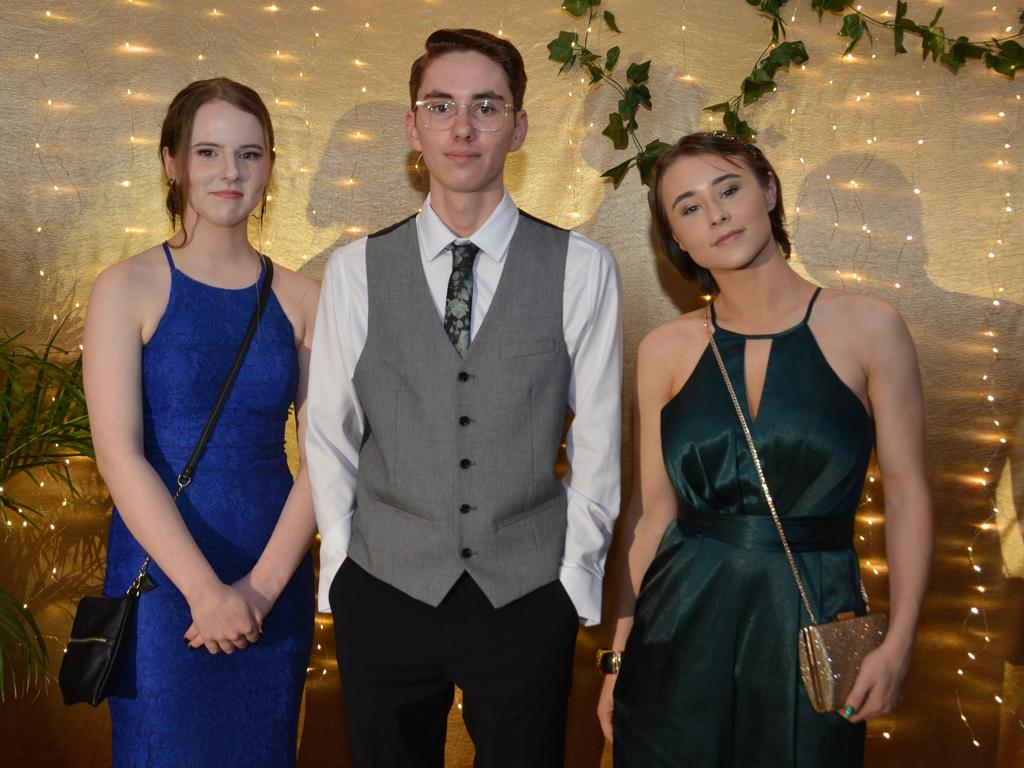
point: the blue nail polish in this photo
(848, 711)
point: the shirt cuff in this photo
(584, 589)
(328, 570)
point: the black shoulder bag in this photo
(99, 631)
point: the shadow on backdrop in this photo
(853, 236)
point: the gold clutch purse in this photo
(830, 653)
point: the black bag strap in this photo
(142, 583)
(186, 474)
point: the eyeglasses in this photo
(484, 114)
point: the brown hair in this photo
(733, 150)
(500, 51)
(176, 133)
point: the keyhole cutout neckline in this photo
(753, 405)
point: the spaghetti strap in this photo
(810, 305)
(170, 260)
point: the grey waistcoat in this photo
(457, 467)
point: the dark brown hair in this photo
(500, 51)
(733, 150)
(176, 133)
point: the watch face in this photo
(609, 661)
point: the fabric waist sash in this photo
(805, 534)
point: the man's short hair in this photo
(500, 51)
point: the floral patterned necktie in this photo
(459, 304)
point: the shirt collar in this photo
(492, 238)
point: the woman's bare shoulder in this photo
(138, 277)
(668, 354)
(295, 292)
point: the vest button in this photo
(464, 509)
(465, 463)
(464, 421)
(463, 376)
(466, 552)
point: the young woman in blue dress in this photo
(216, 667)
(709, 609)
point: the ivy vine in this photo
(1003, 55)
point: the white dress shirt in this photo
(592, 324)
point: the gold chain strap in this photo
(136, 588)
(760, 475)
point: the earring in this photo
(172, 198)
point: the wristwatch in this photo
(609, 661)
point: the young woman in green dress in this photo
(709, 609)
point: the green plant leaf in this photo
(1009, 59)
(596, 73)
(618, 173)
(609, 19)
(793, 52)
(561, 48)
(616, 131)
(576, 7)
(898, 29)
(737, 127)
(21, 643)
(959, 52)
(853, 28)
(932, 42)
(646, 160)
(938, 15)
(833, 6)
(719, 107)
(638, 73)
(612, 58)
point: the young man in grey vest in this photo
(448, 350)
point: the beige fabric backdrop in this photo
(894, 172)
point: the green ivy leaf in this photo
(561, 48)
(646, 160)
(932, 42)
(634, 96)
(898, 30)
(616, 131)
(577, 7)
(618, 173)
(609, 19)
(596, 73)
(612, 59)
(756, 86)
(786, 54)
(834, 6)
(959, 52)
(638, 73)
(568, 64)
(1000, 65)
(1009, 59)
(737, 127)
(778, 29)
(938, 15)
(853, 28)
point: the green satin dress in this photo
(710, 676)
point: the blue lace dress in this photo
(173, 706)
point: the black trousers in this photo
(399, 659)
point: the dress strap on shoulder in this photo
(170, 259)
(810, 304)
